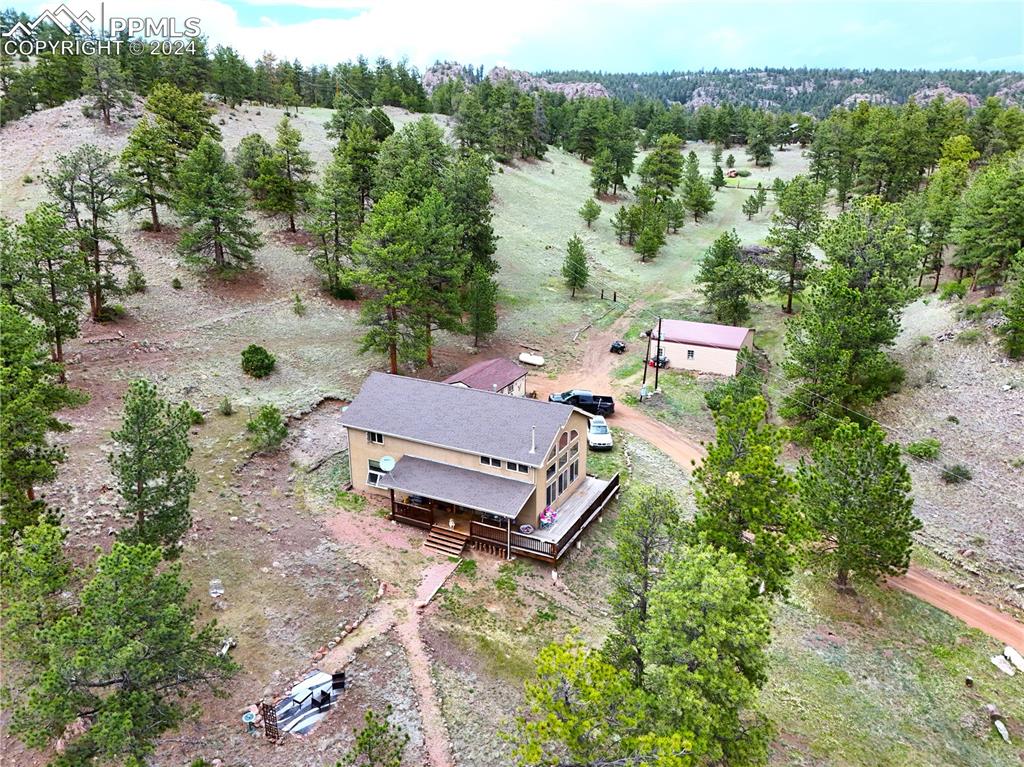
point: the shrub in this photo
(225, 407)
(257, 361)
(297, 306)
(743, 173)
(135, 282)
(267, 429)
(952, 419)
(344, 292)
(26, 179)
(956, 289)
(111, 312)
(970, 336)
(176, 283)
(927, 448)
(194, 416)
(956, 473)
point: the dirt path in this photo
(925, 586)
(594, 373)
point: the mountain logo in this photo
(62, 17)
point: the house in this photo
(497, 375)
(503, 473)
(702, 346)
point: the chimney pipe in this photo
(533, 439)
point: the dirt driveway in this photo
(594, 373)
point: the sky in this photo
(625, 36)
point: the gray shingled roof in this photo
(470, 420)
(463, 487)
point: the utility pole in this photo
(647, 362)
(657, 358)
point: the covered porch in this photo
(483, 507)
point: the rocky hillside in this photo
(444, 71)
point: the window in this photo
(551, 472)
(563, 440)
(574, 471)
(576, 447)
(488, 461)
(574, 435)
(563, 482)
(551, 494)
(520, 467)
(374, 438)
(374, 474)
(562, 459)
(689, 354)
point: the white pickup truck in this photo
(599, 436)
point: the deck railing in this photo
(413, 515)
(595, 508)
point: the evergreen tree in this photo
(941, 201)
(466, 186)
(247, 156)
(412, 161)
(283, 181)
(718, 178)
(590, 211)
(88, 190)
(730, 161)
(46, 277)
(856, 493)
(795, 227)
(661, 171)
(620, 223)
(446, 265)
(696, 194)
(716, 154)
(30, 396)
(104, 86)
(649, 241)
(345, 112)
(390, 251)
(481, 304)
(230, 75)
(119, 655)
(762, 197)
(1012, 330)
(989, 227)
(574, 268)
(150, 467)
(646, 531)
(145, 166)
(602, 172)
(378, 744)
(745, 498)
(211, 205)
(472, 123)
(360, 150)
(759, 146)
(183, 120)
(675, 214)
(334, 211)
(750, 206)
(727, 282)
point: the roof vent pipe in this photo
(533, 440)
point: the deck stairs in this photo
(446, 541)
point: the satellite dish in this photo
(387, 463)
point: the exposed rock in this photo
(524, 81)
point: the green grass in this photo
(878, 679)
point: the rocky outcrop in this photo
(524, 81)
(443, 71)
(927, 95)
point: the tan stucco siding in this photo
(705, 359)
(517, 388)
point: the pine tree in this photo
(602, 172)
(696, 194)
(390, 251)
(446, 264)
(247, 156)
(759, 147)
(472, 123)
(412, 161)
(183, 120)
(662, 169)
(88, 190)
(795, 227)
(46, 276)
(282, 184)
(146, 167)
(649, 241)
(646, 531)
(745, 498)
(120, 655)
(481, 304)
(730, 161)
(30, 396)
(727, 282)
(675, 214)
(856, 493)
(716, 154)
(345, 112)
(378, 744)
(230, 75)
(104, 85)
(718, 178)
(334, 211)
(360, 150)
(574, 268)
(590, 211)
(1012, 330)
(466, 186)
(150, 467)
(620, 223)
(751, 206)
(762, 197)
(211, 205)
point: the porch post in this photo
(508, 540)
(391, 492)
